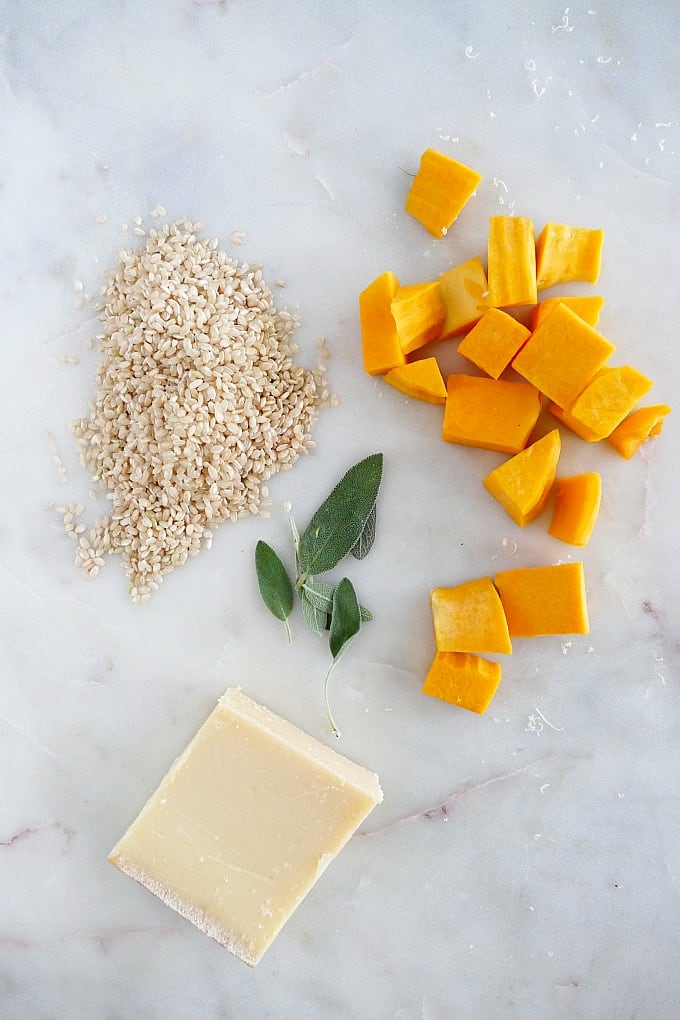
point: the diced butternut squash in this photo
(512, 262)
(641, 425)
(420, 379)
(469, 618)
(464, 680)
(493, 342)
(588, 308)
(439, 190)
(608, 398)
(464, 291)
(544, 600)
(577, 504)
(562, 355)
(490, 413)
(522, 484)
(379, 340)
(418, 314)
(567, 253)
(576, 426)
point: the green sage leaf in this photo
(365, 613)
(345, 624)
(363, 544)
(315, 617)
(337, 525)
(345, 618)
(321, 594)
(275, 586)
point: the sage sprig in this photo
(344, 524)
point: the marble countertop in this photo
(524, 864)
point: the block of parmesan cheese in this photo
(244, 823)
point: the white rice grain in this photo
(62, 475)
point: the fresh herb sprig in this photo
(344, 524)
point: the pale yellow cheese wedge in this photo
(244, 823)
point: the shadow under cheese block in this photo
(244, 823)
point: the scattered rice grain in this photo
(62, 475)
(102, 218)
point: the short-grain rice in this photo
(198, 401)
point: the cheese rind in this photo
(244, 823)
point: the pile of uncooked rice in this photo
(198, 401)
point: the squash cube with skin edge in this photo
(462, 679)
(244, 823)
(489, 413)
(421, 380)
(637, 428)
(511, 265)
(469, 618)
(418, 314)
(608, 398)
(566, 253)
(576, 507)
(463, 290)
(562, 355)
(439, 191)
(379, 339)
(493, 342)
(540, 601)
(587, 308)
(522, 485)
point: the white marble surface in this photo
(523, 864)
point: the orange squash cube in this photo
(469, 618)
(576, 426)
(463, 290)
(463, 679)
(418, 314)
(637, 428)
(419, 379)
(511, 262)
(588, 308)
(379, 340)
(562, 355)
(493, 342)
(439, 190)
(544, 600)
(577, 504)
(608, 398)
(566, 253)
(489, 413)
(522, 484)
